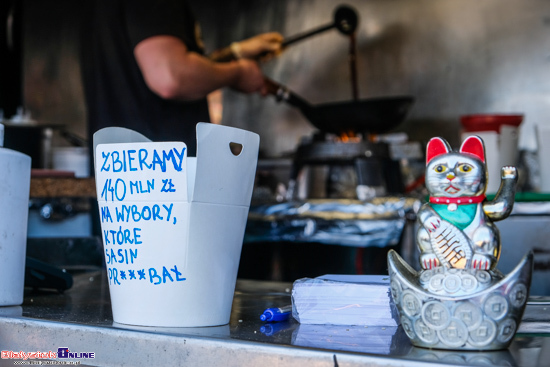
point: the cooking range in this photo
(376, 174)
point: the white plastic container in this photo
(14, 209)
(178, 268)
(500, 133)
(74, 159)
(543, 146)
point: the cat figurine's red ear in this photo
(435, 147)
(474, 145)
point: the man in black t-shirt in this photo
(144, 68)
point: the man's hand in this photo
(252, 48)
(250, 78)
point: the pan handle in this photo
(282, 93)
(300, 36)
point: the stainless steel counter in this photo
(81, 320)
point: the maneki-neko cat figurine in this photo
(457, 229)
(459, 300)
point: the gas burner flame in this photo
(348, 137)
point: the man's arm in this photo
(173, 72)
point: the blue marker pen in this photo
(276, 314)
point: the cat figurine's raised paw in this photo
(456, 226)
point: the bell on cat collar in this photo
(459, 300)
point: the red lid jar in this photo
(489, 122)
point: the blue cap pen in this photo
(276, 314)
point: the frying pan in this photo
(372, 115)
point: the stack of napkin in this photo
(344, 300)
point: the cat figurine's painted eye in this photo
(440, 169)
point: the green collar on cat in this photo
(461, 216)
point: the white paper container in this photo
(195, 259)
(14, 209)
